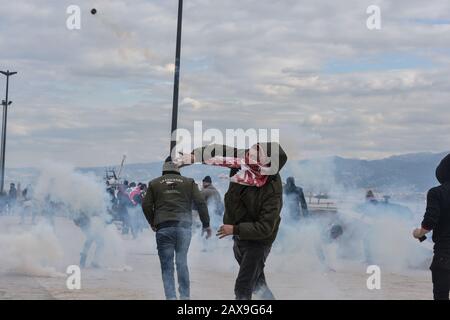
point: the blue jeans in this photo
(173, 242)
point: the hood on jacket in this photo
(169, 166)
(290, 185)
(276, 156)
(443, 170)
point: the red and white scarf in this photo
(251, 172)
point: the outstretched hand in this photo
(184, 159)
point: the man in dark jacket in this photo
(437, 218)
(253, 204)
(295, 200)
(212, 197)
(168, 208)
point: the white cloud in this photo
(91, 95)
(195, 104)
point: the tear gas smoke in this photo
(56, 242)
(34, 252)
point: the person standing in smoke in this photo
(12, 197)
(295, 201)
(136, 209)
(123, 204)
(27, 205)
(331, 235)
(85, 223)
(253, 205)
(370, 197)
(437, 218)
(215, 206)
(168, 208)
(212, 197)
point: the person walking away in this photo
(253, 204)
(437, 218)
(168, 208)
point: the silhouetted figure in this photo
(12, 197)
(93, 236)
(437, 218)
(212, 198)
(370, 197)
(295, 200)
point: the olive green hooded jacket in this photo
(254, 211)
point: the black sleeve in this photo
(204, 153)
(148, 207)
(200, 204)
(303, 200)
(433, 211)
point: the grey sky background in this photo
(309, 68)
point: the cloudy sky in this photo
(309, 68)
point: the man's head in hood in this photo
(290, 181)
(443, 170)
(290, 185)
(207, 181)
(270, 154)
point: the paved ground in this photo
(212, 273)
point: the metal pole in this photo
(176, 77)
(5, 119)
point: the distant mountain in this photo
(412, 172)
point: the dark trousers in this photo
(251, 256)
(440, 274)
(441, 284)
(173, 243)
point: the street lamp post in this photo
(5, 104)
(176, 77)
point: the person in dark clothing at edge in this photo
(437, 218)
(253, 204)
(295, 200)
(168, 209)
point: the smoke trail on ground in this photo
(33, 252)
(61, 195)
(376, 233)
